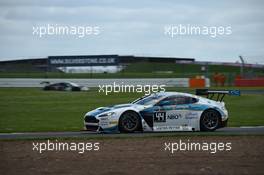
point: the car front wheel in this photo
(129, 122)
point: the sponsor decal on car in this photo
(166, 128)
(172, 128)
(191, 115)
(114, 122)
(173, 116)
(104, 122)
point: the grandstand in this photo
(59, 63)
(124, 66)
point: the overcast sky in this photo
(133, 28)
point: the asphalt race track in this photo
(258, 130)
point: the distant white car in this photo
(163, 111)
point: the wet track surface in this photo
(258, 130)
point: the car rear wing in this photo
(220, 93)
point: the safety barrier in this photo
(249, 82)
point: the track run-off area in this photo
(246, 130)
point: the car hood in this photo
(101, 110)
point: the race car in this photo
(163, 111)
(64, 86)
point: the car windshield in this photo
(73, 84)
(149, 100)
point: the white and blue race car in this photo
(163, 111)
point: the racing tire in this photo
(210, 120)
(129, 122)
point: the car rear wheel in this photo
(129, 122)
(210, 120)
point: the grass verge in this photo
(31, 109)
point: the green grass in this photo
(31, 109)
(181, 68)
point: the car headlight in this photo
(109, 114)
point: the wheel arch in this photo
(138, 115)
(208, 109)
(214, 109)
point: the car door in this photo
(67, 87)
(170, 114)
